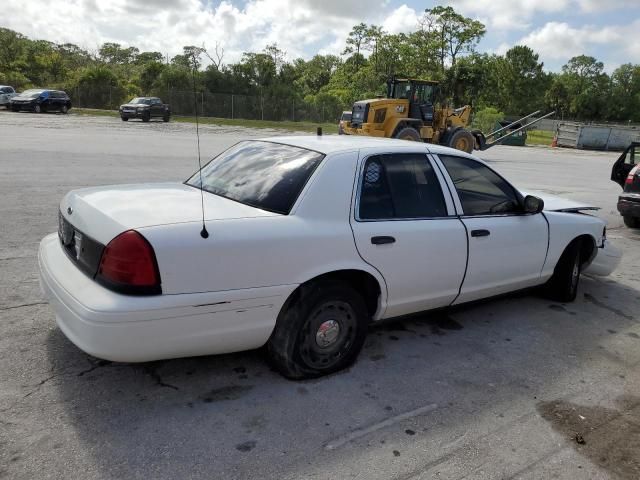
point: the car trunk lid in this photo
(104, 212)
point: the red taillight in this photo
(632, 174)
(128, 264)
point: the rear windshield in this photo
(265, 175)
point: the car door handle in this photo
(382, 240)
(480, 233)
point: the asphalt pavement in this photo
(516, 387)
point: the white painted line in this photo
(361, 432)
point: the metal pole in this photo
(232, 106)
(262, 107)
(293, 109)
(202, 103)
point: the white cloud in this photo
(558, 41)
(167, 25)
(402, 20)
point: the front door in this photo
(507, 247)
(406, 228)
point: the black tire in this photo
(294, 347)
(563, 284)
(38, 109)
(146, 117)
(64, 109)
(124, 119)
(408, 133)
(166, 118)
(631, 222)
(15, 108)
(462, 140)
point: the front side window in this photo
(400, 186)
(265, 175)
(481, 190)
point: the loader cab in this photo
(623, 166)
(420, 95)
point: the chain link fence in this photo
(219, 105)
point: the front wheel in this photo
(37, 109)
(320, 332)
(462, 140)
(631, 222)
(166, 118)
(146, 117)
(124, 119)
(563, 284)
(408, 133)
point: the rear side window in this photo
(265, 175)
(480, 189)
(400, 186)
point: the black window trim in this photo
(449, 216)
(454, 191)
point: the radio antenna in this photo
(203, 232)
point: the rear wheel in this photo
(631, 222)
(462, 140)
(166, 118)
(563, 285)
(64, 109)
(320, 332)
(408, 133)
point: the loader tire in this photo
(462, 140)
(408, 133)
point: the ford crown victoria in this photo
(306, 240)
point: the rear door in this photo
(405, 226)
(507, 247)
(625, 164)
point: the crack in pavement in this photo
(23, 305)
(152, 371)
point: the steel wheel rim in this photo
(462, 144)
(328, 334)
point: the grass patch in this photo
(236, 122)
(540, 137)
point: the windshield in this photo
(401, 90)
(32, 93)
(262, 174)
(346, 116)
(145, 101)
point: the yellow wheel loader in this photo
(409, 112)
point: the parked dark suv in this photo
(626, 173)
(145, 108)
(40, 101)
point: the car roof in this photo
(344, 143)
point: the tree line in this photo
(443, 47)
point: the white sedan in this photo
(309, 240)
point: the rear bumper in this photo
(629, 206)
(126, 328)
(606, 260)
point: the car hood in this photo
(20, 97)
(554, 203)
(104, 212)
(134, 105)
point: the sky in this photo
(556, 29)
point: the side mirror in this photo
(533, 204)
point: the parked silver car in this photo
(6, 94)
